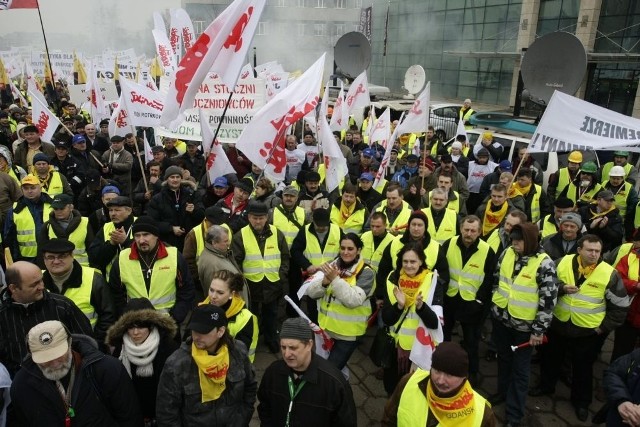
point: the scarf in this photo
(493, 219)
(140, 355)
(212, 371)
(346, 212)
(585, 271)
(523, 190)
(513, 192)
(235, 306)
(597, 214)
(411, 285)
(456, 410)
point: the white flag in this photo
(97, 106)
(148, 154)
(340, 116)
(143, 104)
(246, 72)
(358, 94)
(461, 130)
(427, 339)
(385, 160)
(18, 95)
(175, 35)
(382, 128)
(185, 26)
(119, 123)
(217, 160)
(262, 141)
(164, 51)
(418, 117)
(43, 118)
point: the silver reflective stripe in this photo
(22, 232)
(503, 292)
(344, 317)
(468, 288)
(453, 284)
(27, 244)
(159, 301)
(586, 298)
(261, 270)
(455, 271)
(527, 289)
(505, 279)
(252, 352)
(573, 309)
(523, 304)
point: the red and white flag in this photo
(97, 106)
(262, 141)
(358, 93)
(385, 159)
(119, 123)
(340, 116)
(381, 130)
(418, 117)
(43, 118)
(185, 27)
(148, 154)
(175, 35)
(334, 162)
(221, 48)
(246, 72)
(164, 51)
(143, 104)
(17, 94)
(217, 160)
(18, 4)
(427, 339)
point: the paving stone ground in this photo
(370, 397)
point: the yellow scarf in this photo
(513, 192)
(411, 285)
(212, 371)
(493, 219)
(455, 410)
(345, 212)
(585, 271)
(595, 214)
(523, 190)
(237, 304)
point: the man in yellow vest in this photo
(560, 179)
(471, 263)
(395, 208)
(495, 210)
(465, 114)
(536, 205)
(625, 196)
(443, 222)
(85, 286)
(522, 308)
(262, 253)
(52, 181)
(549, 224)
(620, 158)
(114, 236)
(347, 211)
(603, 219)
(376, 240)
(500, 238)
(592, 302)
(150, 269)
(65, 222)
(25, 219)
(435, 397)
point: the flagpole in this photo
(144, 176)
(46, 47)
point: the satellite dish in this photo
(414, 79)
(556, 61)
(352, 54)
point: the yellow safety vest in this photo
(401, 219)
(322, 171)
(622, 251)
(81, 295)
(243, 317)
(380, 186)
(55, 185)
(431, 252)
(107, 228)
(494, 240)
(335, 317)
(255, 265)
(535, 204)
(288, 228)
(162, 290)
(13, 175)
(448, 227)
(586, 308)
(371, 255)
(620, 198)
(407, 332)
(466, 278)
(521, 293)
(465, 117)
(452, 204)
(564, 178)
(199, 232)
(413, 406)
(607, 168)
(588, 197)
(26, 230)
(548, 228)
(77, 237)
(353, 224)
(312, 251)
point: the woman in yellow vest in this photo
(344, 293)
(407, 288)
(225, 292)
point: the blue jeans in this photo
(514, 368)
(341, 352)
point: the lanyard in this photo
(66, 396)
(293, 392)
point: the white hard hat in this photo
(617, 171)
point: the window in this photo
(199, 27)
(339, 30)
(318, 30)
(358, 4)
(320, 4)
(341, 4)
(262, 29)
(301, 29)
(280, 3)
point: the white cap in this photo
(617, 171)
(467, 100)
(457, 144)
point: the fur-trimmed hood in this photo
(164, 323)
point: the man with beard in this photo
(583, 189)
(150, 269)
(425, 398)
(564, 242)
(478, 169)
(103, 394)
(262, 253)
(23, 304)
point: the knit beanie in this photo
(296, 328)
(419, 215)
(173, 170)
(146, 224)
(449, 357)
(40, 157)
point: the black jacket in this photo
(102, 393)
(621, 383)
(16, 320)
(102, 252)
(325, 399)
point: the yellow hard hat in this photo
(575, 157)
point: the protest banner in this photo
(77, 93)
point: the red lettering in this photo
(211, 160)
(173, 39)
(459, 403)
(141, 99)
(43, 122)
(187, 39)
(121, 120)
(217, 372)
(235, 38)
(415, 107)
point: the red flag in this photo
(221, 48)
(18, 4)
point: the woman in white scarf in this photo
(143, 339)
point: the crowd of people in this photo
(136, 290)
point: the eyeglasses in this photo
(59, 257)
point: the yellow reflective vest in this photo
(564, 178)
(520, 294)
(403, 217)
(78, 238)
(448, 227)
(26, 229)
(431, 252)
(256, 266)
(413, 406)
(200, 232)
(288, 228)
(54, 186)
(312, 251)
(620, 198)
(588, 197)
(607, 168)
(238, 322)
(81, 295)
(107, 229)
(623, 250)
(466, 279)
(335, 317)
(587, 307)
(494, 240)
(535, 204)
(407, 332)
(162, 290)
(353, 224)
(371, 255)
(465, 117)
(548, 227)
(452, 204)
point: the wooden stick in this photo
(144, 176)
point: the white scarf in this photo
(140, 355)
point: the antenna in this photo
(556, 61)
(352, 54)
(414, 80)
